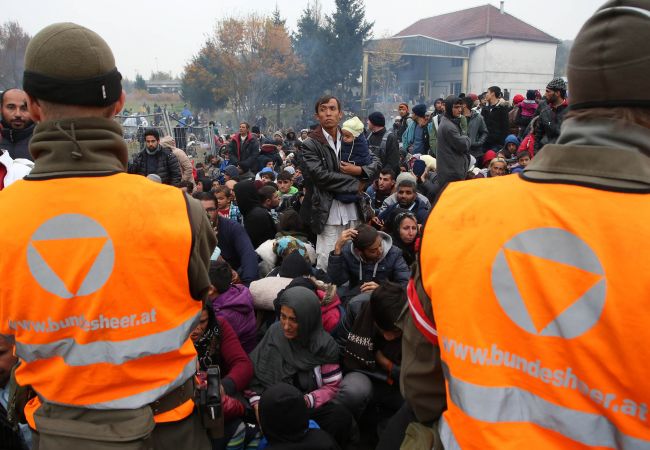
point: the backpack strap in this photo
(416, 295)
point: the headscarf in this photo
(392, 227)
(277, 359)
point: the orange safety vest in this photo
(541, 312)
(95, 290)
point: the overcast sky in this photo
(163, 35)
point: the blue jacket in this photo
(348, 266)
(420, 210)
(237, 250)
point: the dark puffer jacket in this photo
(348, 266)
(323, 179)
(244, 154)
(169, 170)
(548, 125)
(497, 122)
(17, 141)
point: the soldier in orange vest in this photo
(99, 296)
(541, 330)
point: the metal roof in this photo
(417, 46)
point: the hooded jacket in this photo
(452, 163)
(183, 159)
(257, 221)
(16, 141)
(168, 169)
(323, 179)
(236, 307)
(549, 123)
(477, 132)
(497, 122)
(350, 267)
(244, 153)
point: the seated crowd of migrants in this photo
(309, 277)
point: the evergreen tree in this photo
(348, 31)
(140, 83)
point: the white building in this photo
(464, 51)
(504, 50)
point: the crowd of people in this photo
(295, 269)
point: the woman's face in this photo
(201, 327)
(408, 230)
(289, 322)
(498, 169)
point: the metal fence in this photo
(196, 139)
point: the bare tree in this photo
(384, 60)
(13, 43)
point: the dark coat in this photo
(453, 152)
(348, 267)
(257, 220)
(389, 153)
(548, 125)
(237, 250)
(497, 122)
(323, 180)
(169, 170)
(420, 210)
(245, 153)
(17, 141)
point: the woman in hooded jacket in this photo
(298, 351)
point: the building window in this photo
(456, 62)
(456, 87)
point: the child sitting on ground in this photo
(233, 302)
(354, 150)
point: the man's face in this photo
(440, 106)
(457, 110)
(214, 161)
(275, 201)
(223, 202)
(406, 196)
(243, 129)
(403, 110)
(210, 208)
(551, 96)
(151, 142)
(489, 96)
(385, 183)
(284, 186)
(329, 114)
(278, 139)
(303, 135)
(7, 361)
(374, 252)
(14, 109)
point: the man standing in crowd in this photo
(495, 114)
(416, 137)
(578, 217)
(474, 127)
(17, 125)
(383, 143)
(453, 146)
(551, 114)
(156, 159)
(88, 266)
(403, 111)
(244, 149)
(326, 176)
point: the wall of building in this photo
(513, 65)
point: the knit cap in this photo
(68, 64)
(354, 126)
(377, 119)
(556, 84)
(420, 110)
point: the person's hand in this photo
(348, 234)
(377, 222)
(369, 286)
(382, 361)
(350, 169)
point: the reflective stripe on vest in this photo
(98, 299)
(539, 321)
(511, 404)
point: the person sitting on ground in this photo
(364, 257)
(217, 344)
(232, 302)
(372, 355)
(232, 239)
(298, 351)
(270, 199)
(510, 146)
(285, 184)
(523, 158)
(225, 205)
(267, 175)
(381, 189)
(498, 167)
(11, 437)
(283, 416)
(407, 198)
(258, 222)
(402, 225)
(392, 199)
